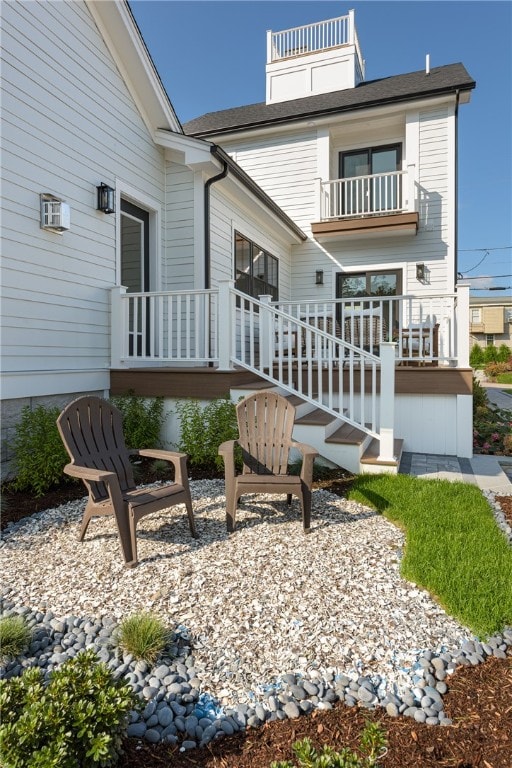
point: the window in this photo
(256, 271)
(489, 339)
(377, 284)
(476, 315)
(371, 182)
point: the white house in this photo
(308, 242)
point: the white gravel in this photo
(261, 602)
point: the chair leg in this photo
(288, 498)
(231, 502)
(306, 509)
(191, 521)
(86, 519)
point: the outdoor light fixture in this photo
(420, 272)
(319, 277)
(106, 198)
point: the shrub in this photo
(476, 356)
(372, 747)
(493, 370)
(143, 635)
(505, 355)
(142, 419)
(479, 396)
(491, 354)
(492, 430)
(15, 636)
(76, 721)
(39, 452)
(204, 429)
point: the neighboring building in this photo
(336, 199)
(490, 321)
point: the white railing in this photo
(304, 359)
(310, 38)
(164, 327)
(363, 195)
(423, 328)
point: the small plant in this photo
(39, 452)
(372, 747)
(142, 419)
(160, 468)
(15, 636)
(204, 429)
(476, 356)
(479, 396)
(143, 635)
(77, 720)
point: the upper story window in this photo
(489, 339)
(476, 315)
(372, 182)
(256, 270)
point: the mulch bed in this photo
(479, 701)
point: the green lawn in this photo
(454, 548)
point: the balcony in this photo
(377, 204)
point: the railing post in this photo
(265, 333)
(387, 401)
(411, 188)
(117, 330)
(351, 27)
(225, 324)
(320, 209)
(462, 325)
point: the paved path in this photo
(484, 471)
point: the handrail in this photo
(316, 372)
(310, 38)
(363, 195)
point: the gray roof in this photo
(415, 85)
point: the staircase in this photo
(337, 442)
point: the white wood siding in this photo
(68, 123)
(178, 270)
(286, 167)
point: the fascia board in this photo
(194, 153)
(123, 39)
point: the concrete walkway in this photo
(485, 471)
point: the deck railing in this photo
(364, 195)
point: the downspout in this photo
(456, 222)
(207, 237)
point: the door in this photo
(378, 284)
(365, 189)
(135, 273)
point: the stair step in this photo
(317, 418)
(347, 434)
(371, 455)
(257, 384)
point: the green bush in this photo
(505, 355)
(39, 453)
(490, 354)
(142, 419)
(204, 429)
(15, 636)
(143, 635)
(76, 721)
(479, 396)
(476, 356)
(372, 748)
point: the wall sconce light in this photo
(319, 277)
(55, 213)
(420, 272)
(106, 198)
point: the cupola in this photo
(316, 58)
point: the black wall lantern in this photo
(319, 277)
(106, 199)
(420, 272)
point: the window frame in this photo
(256, 285)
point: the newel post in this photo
(118, 331)
(387, 401)
(226, 322)
(462, 325)
(266, 334)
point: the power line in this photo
(473, 250)
(485, 277)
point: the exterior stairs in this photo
(338, 443)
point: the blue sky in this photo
(211, 55)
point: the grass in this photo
(15, 636)
(504, 378)
(143, 635)
(453, 549)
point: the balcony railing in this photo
(379, 193)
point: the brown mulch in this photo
(479, 701)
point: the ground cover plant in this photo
(371, 748)
(453, 547)
(76, 721)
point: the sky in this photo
(211, 55)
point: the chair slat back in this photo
(265, 424)
(92, 432)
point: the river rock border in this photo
(174, 709)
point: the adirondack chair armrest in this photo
(90, 474)
(309, 455)
(179, 460)
(227, 451)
